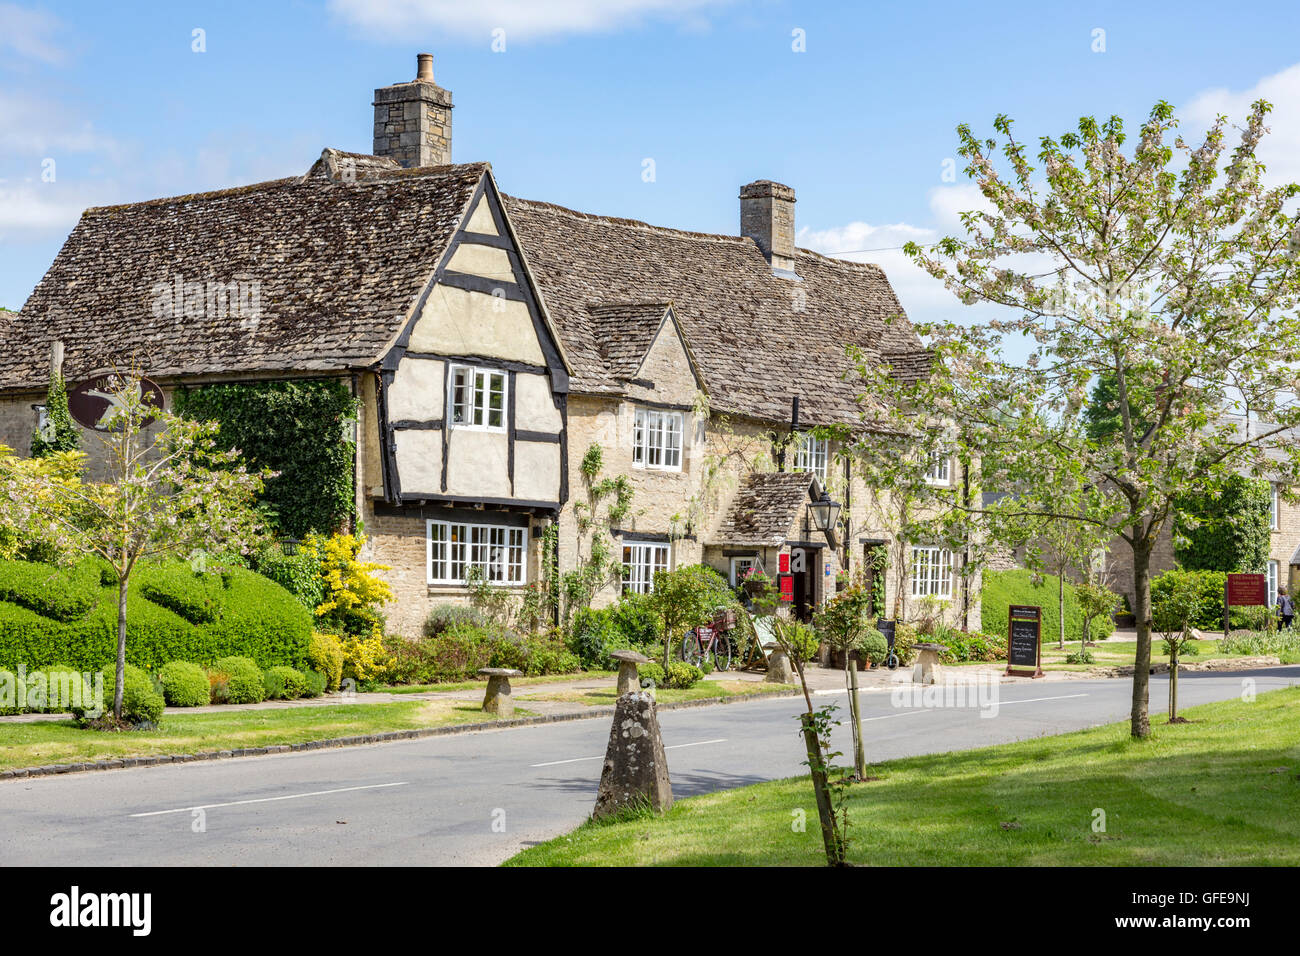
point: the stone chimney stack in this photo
(767, 217)
(413, 120)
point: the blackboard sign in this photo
(1024, 641)
(887, 628)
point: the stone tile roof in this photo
(623, 333)
(764, 508)
(340, 254)
(759, 339)
(339, 264)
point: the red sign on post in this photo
(783, 563)
(787, 587)
(1245, 590)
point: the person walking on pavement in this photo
(1285, 609)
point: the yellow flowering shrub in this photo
(325, 654)
(353, 592)
(364, 658)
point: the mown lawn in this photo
(665, 695)
(1224, 790)
(48, 742)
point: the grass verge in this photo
(48, 742)
(1223, 790)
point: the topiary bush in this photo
(874, 647)
(1004, 588)
(243, 681)
(313, 683)
(1208, 586)
(237, 612)
(284, 683)
(682, 676)
(142, 702)
(184, 684)
(652, 674)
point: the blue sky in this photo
(585, 91)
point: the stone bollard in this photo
(498, 700)
(779, 670)
(629, 681)
(926, 670)
(636, 771)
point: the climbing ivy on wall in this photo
(303, 430)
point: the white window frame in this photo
(1273, 506)
(1274, 569)
(657, 439)
(812, 454)
(453, 547)
(739, 565)
(477, 411)
(931, 572)
(641, 561)
(940, 469)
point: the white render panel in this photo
(535, 409)
(457, 322)
(419, 459)
(481, 220)
(487, 261)
(417, 391)
(537, 471)
(477, 464)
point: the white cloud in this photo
(38, 127)
(1280, 150)
(28, 33)
(519, 18)
(38, 209)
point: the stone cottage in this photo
(493, 343)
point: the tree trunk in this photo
(1173, 681)
(1060, 608)
(1140, 721)
(830, 833)
(121, 647)
(859, 756)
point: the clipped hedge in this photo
(284, 683)
(184, 684)
(242, 682)
(236, 612)
(1004, 588)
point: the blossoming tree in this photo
(1169, 269)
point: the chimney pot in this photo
(424, 67)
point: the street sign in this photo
(1024, 641)
(93, 403)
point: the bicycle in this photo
(705, 641)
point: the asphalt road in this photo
(477, 798)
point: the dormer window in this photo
(477, 398)
(657, 440)
(811, 454)
(940, 470)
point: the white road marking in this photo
(290, 796)
(698, 743)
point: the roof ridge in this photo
(369, 180)
(684, 233)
